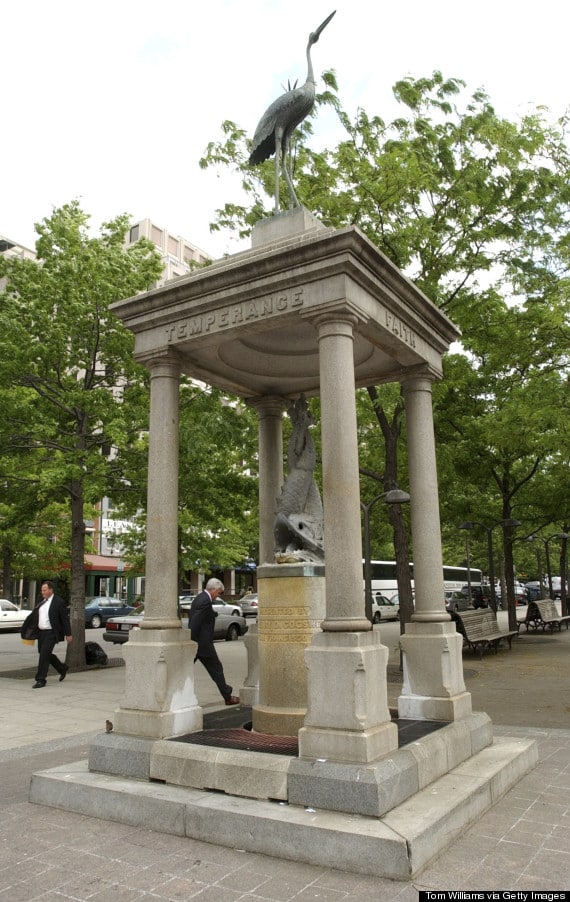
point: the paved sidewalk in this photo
(48, 854)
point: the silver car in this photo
(230, 624)
(456, 601)
(249, 603)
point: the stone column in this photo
(270, 424)
(348, 719)
(341, 484)
(270, 419)
(159, 698)
(434, 687)
(161, 584)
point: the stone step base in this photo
(397, 845)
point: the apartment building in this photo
(178, 254)
(9, 248)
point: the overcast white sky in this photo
(113, 102)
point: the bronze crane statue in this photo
(280, 120)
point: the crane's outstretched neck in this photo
(310, 74)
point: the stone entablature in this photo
(246, 323)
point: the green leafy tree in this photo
(71, 361)
(218, 508)
(473, 208)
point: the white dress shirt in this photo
(44, 621)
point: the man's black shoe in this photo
(63, 673)
(39, 684)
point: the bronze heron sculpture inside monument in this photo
(273, 134)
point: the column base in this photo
(433, 687)
(249, 692)
(348, 746)
(417, 707)
(348, 719)
(160, 699)
(278, 721)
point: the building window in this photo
(134, 234)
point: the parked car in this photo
(521, 594)
(480, 595)
(534, 590)
(384, 608)
(249, 604)
(11, 616)
(117, 629)
(100, 608)
(456, 601)
(230, 624)
(184, 603)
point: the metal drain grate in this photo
(243, 738)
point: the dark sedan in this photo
(99, 609)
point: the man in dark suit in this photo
(53, 626)
(201, 624)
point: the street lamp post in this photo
(468, 560)
(471, 524)
(393, 496)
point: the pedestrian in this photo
(52, 627)
(201, 625)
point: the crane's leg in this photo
(293, 201)
(277, 172)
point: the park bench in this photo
(544, 613)
(480, 630)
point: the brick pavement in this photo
(48, 854)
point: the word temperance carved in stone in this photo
(235, 314)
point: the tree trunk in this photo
(391, 432)
(509, 570)
(564, 573)
(76, 650)
(7, 573)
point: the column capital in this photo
(268, 405)
(330, 319)
(166, 363)
(419, 378)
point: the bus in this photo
(383, 575)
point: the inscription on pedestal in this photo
(289, 625)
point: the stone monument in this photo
(307, 310)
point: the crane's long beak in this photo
(316, 34)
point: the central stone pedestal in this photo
(291, 609)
